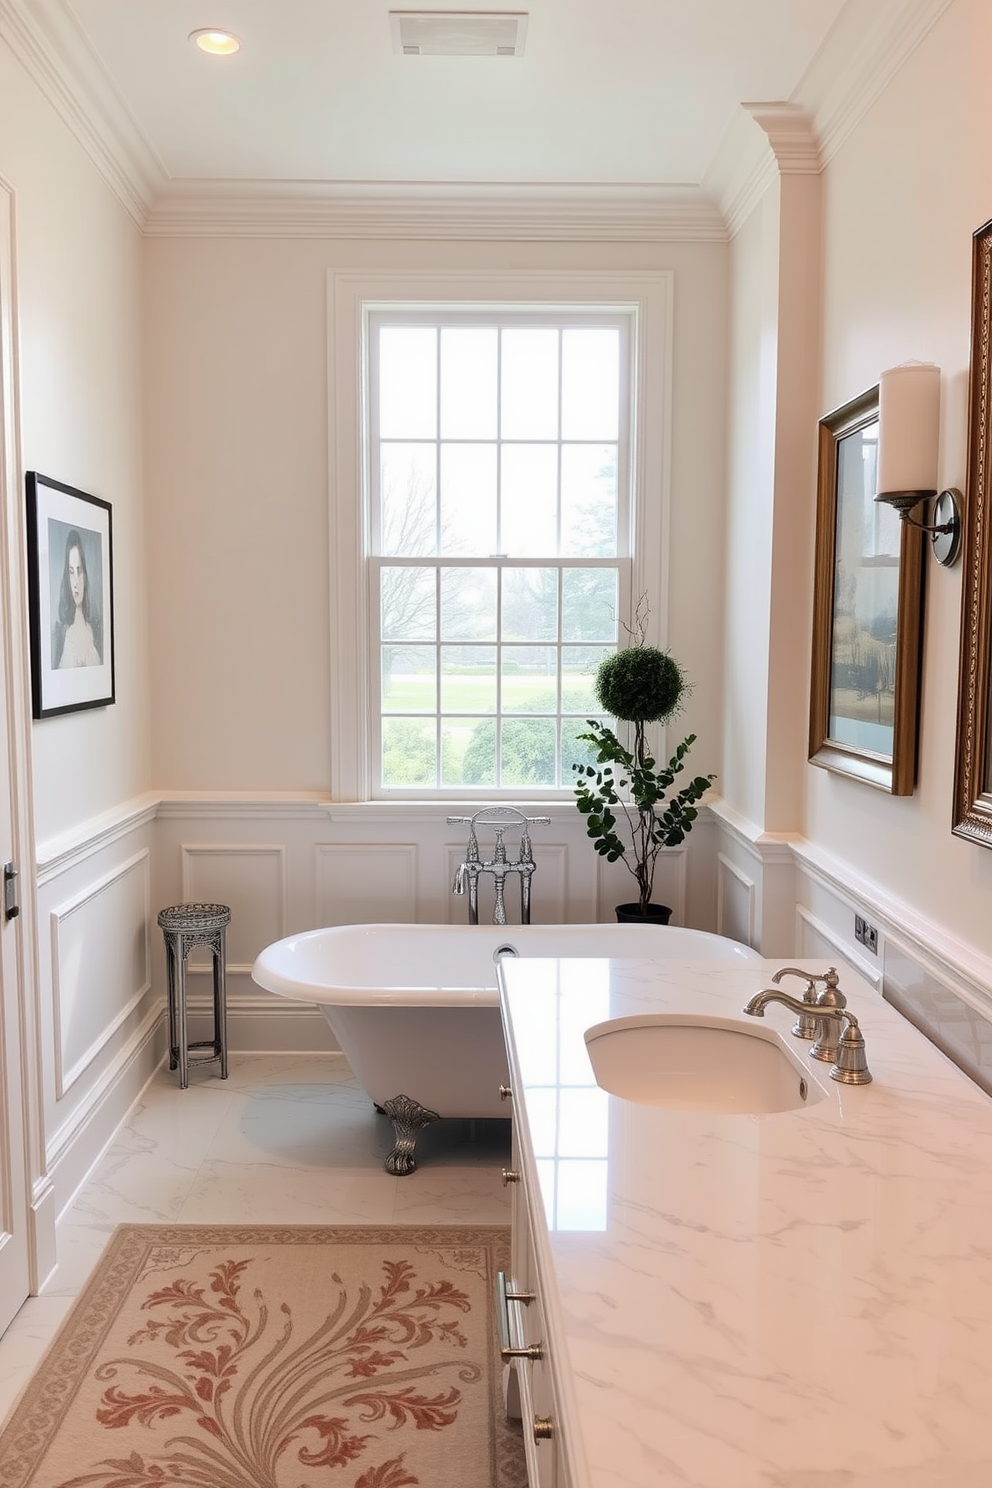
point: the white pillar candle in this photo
(908, 427)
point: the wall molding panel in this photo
(251, 878)
(57, 856)
(365, 882)
(99, 976)
(736, 901)
(78, 1141)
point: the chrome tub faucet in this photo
(499, 865)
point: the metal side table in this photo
(185, 926)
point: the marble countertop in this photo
(796, 1300)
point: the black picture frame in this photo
(70, 596)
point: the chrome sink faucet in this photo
(499, 865)
(844, 1049)
(807, 1025)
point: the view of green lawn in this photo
(464, 692)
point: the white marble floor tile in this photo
(265, 1193)
(287, 1138)
(451, 1195)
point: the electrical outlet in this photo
(866, 935)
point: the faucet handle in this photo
(806, 1025)
(458, 885)
(851, 1063)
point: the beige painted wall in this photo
(236, 469)
(79, 270)
(902, 199)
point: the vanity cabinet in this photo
(527, 1322)
(738, 1299)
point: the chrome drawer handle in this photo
(503, 1299)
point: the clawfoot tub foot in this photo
(409, 1117)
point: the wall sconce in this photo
(908, 435)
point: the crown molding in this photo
(47, 41)
(460, 210)
(870, 42)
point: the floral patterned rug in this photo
(274, 1357)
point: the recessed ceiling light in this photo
(217, 43)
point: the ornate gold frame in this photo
(973, 778)
(895, 772)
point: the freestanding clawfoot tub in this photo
(415, 1008)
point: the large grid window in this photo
(498, 473)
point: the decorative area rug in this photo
(236, 1356)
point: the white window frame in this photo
(646, 297)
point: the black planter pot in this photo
(654, 914)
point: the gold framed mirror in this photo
(973, 773)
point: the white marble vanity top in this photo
(798, 1300)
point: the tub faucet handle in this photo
(458, 885)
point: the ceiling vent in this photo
(458, 33)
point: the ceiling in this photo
(612, 92)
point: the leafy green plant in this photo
(624, 796)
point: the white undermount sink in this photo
(688, 1062)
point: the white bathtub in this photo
(415, 1008)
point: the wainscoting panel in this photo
(365, 883)
(957, 1020)
(251, 878)
(100, 965)
(736, 910)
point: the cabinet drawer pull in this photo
(544, 1428)
(503, 1299)
(505, 1092)
(510, 1175)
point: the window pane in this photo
(576, 751)
(530, 604)
(468, 382)
(468, 499)
(529, 749)
(407, 382)
(468, 751)
(408, 482)
(529, 500)
(409, 752)
(408, 680)
(590, 383)
(589, 500)
(468, 679)
(589, 604)
(529, 384)
(578, 666)
(468, 604)
(530, 679)
(407, 610)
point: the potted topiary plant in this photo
(629, 814)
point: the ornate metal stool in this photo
(185, 926)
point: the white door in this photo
(14, 1240)
(14, 1272)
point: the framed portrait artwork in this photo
(867, 612)
(70, 591)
